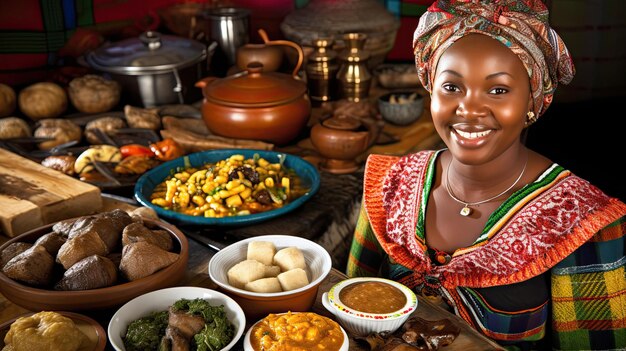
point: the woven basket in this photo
(332, 18)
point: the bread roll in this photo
(13, 250)
(245, 272)
(271, 271)
(142, 259)
(293, 279)
(79, 247)
(33, 266)
(135, 232)
(289, 258)
(52, 242)
(262, 251)
(264, 285)
(89, 273)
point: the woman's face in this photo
(480, 98)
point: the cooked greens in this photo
(147, 333)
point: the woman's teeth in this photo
(472, 135)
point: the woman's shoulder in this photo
(380, 162)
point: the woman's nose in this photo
(471, 107)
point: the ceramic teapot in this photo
(340, 140)
(270, 54)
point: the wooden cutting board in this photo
(32, 195)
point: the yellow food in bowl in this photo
(44, 331)
(231, 187)
(296, 331)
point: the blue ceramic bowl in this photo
(145, 185)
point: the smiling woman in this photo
(499, 232)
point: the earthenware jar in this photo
(340, 140)
(270, 53)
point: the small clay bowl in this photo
(93, 330)
(401, 108)
(36, 299)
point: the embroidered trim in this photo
(554, 218)
(592, 268)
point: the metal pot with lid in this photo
(154, 69)
(258, 105)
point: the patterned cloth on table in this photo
(547, 268)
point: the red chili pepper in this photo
(136, 149)
(167, 149)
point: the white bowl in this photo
(160, 300)
(247, 344)
(363, 323)
(258, 305)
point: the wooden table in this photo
(197, 275)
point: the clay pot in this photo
(340, 140)
(257, 105)
(270, 53)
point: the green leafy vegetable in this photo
(145, 333)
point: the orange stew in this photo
(373, 297)
(295, 332)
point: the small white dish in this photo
(160, 300)
(363, 323)
(257, 305)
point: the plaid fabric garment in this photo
(585, 292)
(589, 294)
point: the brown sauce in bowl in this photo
(372, 297)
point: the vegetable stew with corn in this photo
(232, 187)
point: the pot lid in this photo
(149, 52)
(342, 123)
(255, 88)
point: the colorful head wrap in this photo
(521, 25)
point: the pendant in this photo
(465, 211)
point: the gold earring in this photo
(531, 118)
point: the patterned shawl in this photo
(521, 25)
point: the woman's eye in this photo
(450, 88)
(498, 91)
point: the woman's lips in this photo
(471, 138)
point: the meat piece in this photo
(142, 118)
(61, 163)
(89, 273)
(13, 250)
(135, 232)
(186, 324)
(263, 196)
(62, 130)
(248, 172)
(177, 342)
(33, 266)
(106, 124)
(135, 164)
(52, 242)
(434, 334)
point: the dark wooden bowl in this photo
(36, 299)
